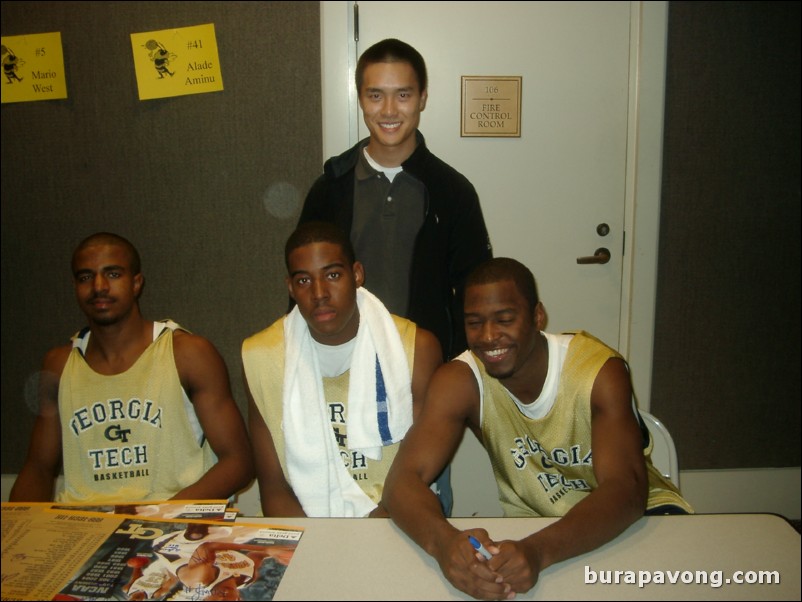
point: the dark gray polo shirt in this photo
(387, 218)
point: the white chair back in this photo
(664, 454)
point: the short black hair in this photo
(392, 51)
(500, 269)
(309, 232)
(109, 238)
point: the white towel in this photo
(379, 409)
(379, 398)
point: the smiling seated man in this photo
(138, 410)
(333, 386)
(557, 417)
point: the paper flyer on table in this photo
(66, 555)
(216, 510)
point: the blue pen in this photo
(477, 545)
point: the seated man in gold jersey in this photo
(538, 403)
(334, 385)
(136, 409)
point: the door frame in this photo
(647, 66)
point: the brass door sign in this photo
(491, 106)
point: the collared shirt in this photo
(387, 218)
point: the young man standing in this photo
(333, 386)
(556, 415)
(136, 409)
(415, 222)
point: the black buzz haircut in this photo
(310, 232)
(392, 51)
(500, 269)
(108, 238)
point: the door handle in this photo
(601, 255)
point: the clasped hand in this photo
(510, 571)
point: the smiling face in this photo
(106, 286)
(323, 283)
(391, 101)
(502, 331)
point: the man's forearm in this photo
(593, 522)
(414, 507)
(33, 486)
(224, 479)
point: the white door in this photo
(560, 190)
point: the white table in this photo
(372, 559)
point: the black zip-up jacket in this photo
(451, 242)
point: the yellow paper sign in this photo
(33, 68)
(175, 62)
